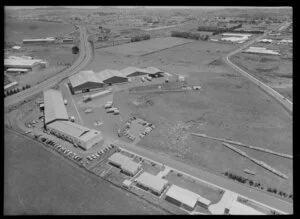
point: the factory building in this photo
(261, 50)
(31, 64)
(132, 72)
(124, 163)
(37, 41)
(78, 135)
(17, 70)
(111, 77)
(10, 85)
(185, 198)
(55, 109)
(150, 182)
(85, 81)
(153, 72)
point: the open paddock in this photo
(146, 46)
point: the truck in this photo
(111, 110)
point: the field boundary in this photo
(164, 49)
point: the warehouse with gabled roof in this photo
(180, 196)
(154, 183)
(54, 106)
(111, 77)
(153, 72)
(132, 71)
(85, 81)
(126, 164)
(76, 134)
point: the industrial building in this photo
(17, 70)
(85, 81)
(154, 183)
(124, 163)
(10, 85)
(261, 50)
(36, 41)
(185, 198)
(31, 64)
(133, 71)
(111, 77)
(153, 72)
(235, 37)
(55, 109)
(76, 134)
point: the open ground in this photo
(229, 106)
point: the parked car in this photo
(89, 158)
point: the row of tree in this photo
(189, 35)
(218, 29)
(140, 38)
(16, 90)
(256, 184)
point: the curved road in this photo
(287, 104)
(79, 64)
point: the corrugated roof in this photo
(54, 106)
(75, 130)
(84, 77)
(151, 70)
(109, 73)
(186, 196)
(130, 70)
(153, 182)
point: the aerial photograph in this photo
(148, 110)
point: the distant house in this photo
(124, 163)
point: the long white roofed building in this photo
(55, 109)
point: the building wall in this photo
(89, 86)
(173, 201)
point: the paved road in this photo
(250, 193)
(79, 64)
(287, 104)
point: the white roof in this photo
(155, 183)
(20, 62)
(37, 40)
(75, 130)
(125, 162)
(84, 77)
(54, 106)
(10, 85)
(109, 73)
(17, 69)
(130, 70)
(234, 39)
(16, 47)
(236, 34)
(238, 208)
(185, 196)
(151, 70)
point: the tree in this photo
(75, 49)
(18, 90)
(250, 182)
(23, 88)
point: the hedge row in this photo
(256, 184)
(16, 90)
(189, 35)
(140, 38)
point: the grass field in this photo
(276, 71)
(228, 106)
(147, 46)
(38, 182)
(16, 30)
